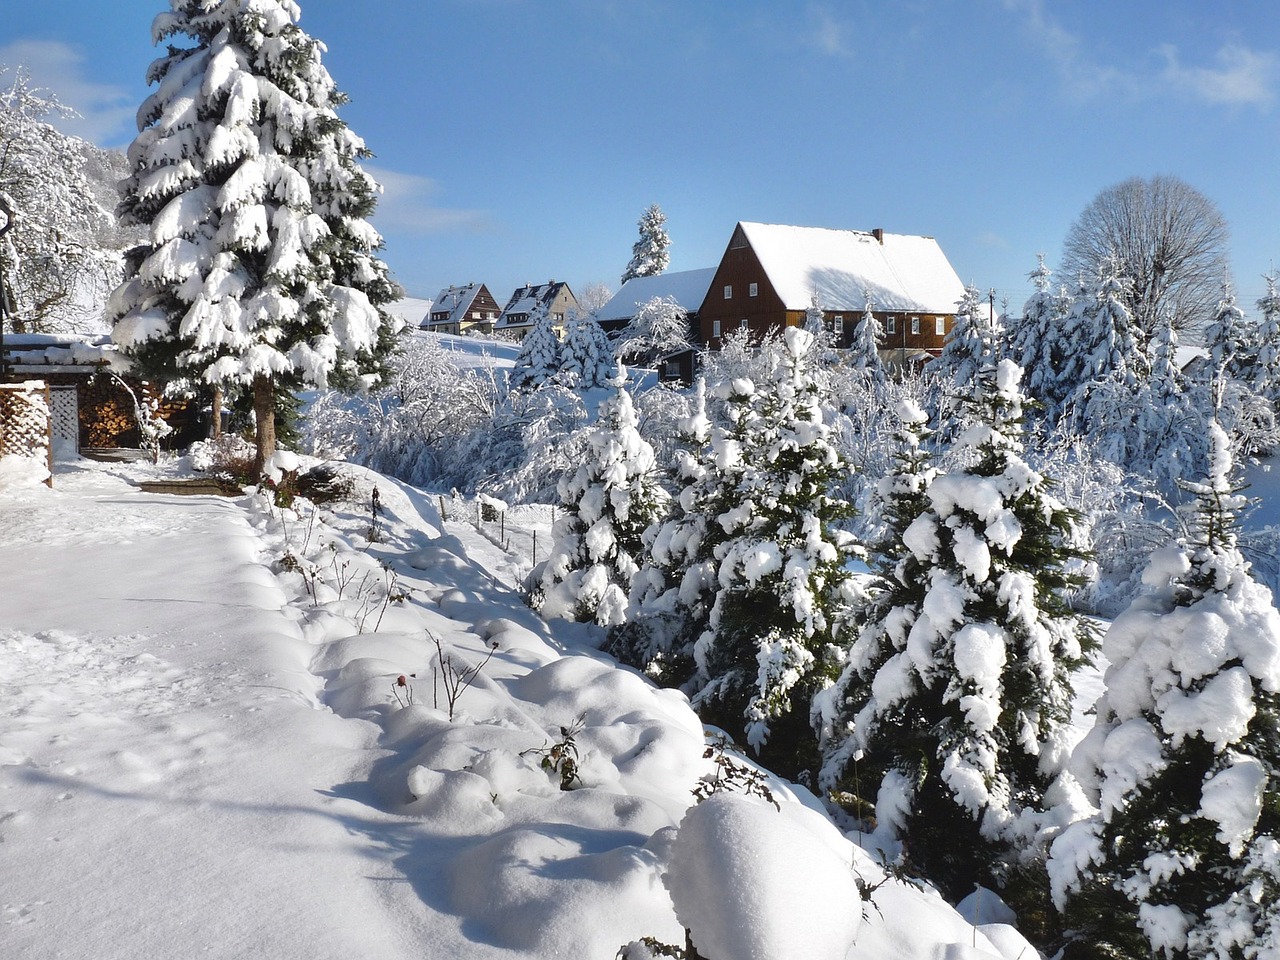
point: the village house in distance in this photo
(518, 316)
(463, 309)
(771, 274)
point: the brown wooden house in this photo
(771, 274)
(461, 309)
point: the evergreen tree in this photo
(967, 690)
(1232, 341)
(1183, 758)
(260, 265)
(1267, 379)
(586, 355)
(608, 503)
(539, 358)
(672, 593)
(864, 349)
(782, 588)
(885, 620)
(970, 345)
(649, 256)
(1037, 343)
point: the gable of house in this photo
(456, 309)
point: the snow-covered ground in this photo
(205, 750)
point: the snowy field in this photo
(206, 750)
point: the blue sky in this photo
(519, 140)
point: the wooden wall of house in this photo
(739, 268)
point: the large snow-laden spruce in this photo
(1183, 759)
(885, 621)
(969, 666)
(608, 503)
(260, 265)
(649, 256)
(540, 354)
(782, 586)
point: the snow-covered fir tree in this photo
(1182, 856)
(1036, 342)
(608, 504)
(260, 266)
(649, 256)
(783, 589)
(672, 593)
(1232, 339)
(969, 347)
(970, 344)
(884, 622)
(963, 716)
(540, 355)
(1267, 376)
(864, 348)
(586, 354)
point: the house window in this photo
(915, 326)
(742, 324)
(890, 324)
(753, 290)
(728, 291)
(715, 328)
(671, 369)
(940, 326)
(839, 323)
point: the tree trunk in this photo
(216, 413)
(264, 410)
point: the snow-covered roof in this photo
(687, 287)
(411, 310)
(901, 272)
(456, 300)
(45, 352)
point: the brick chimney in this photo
(878, 233)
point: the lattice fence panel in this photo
(26, 423)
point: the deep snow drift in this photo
(206, 749)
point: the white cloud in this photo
(1241, 76)
(829, 32)
(405, 205)
(105, 114)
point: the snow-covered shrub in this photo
(1183, 758)
(586, 357)
(540, 353)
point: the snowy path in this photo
(166, 775)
